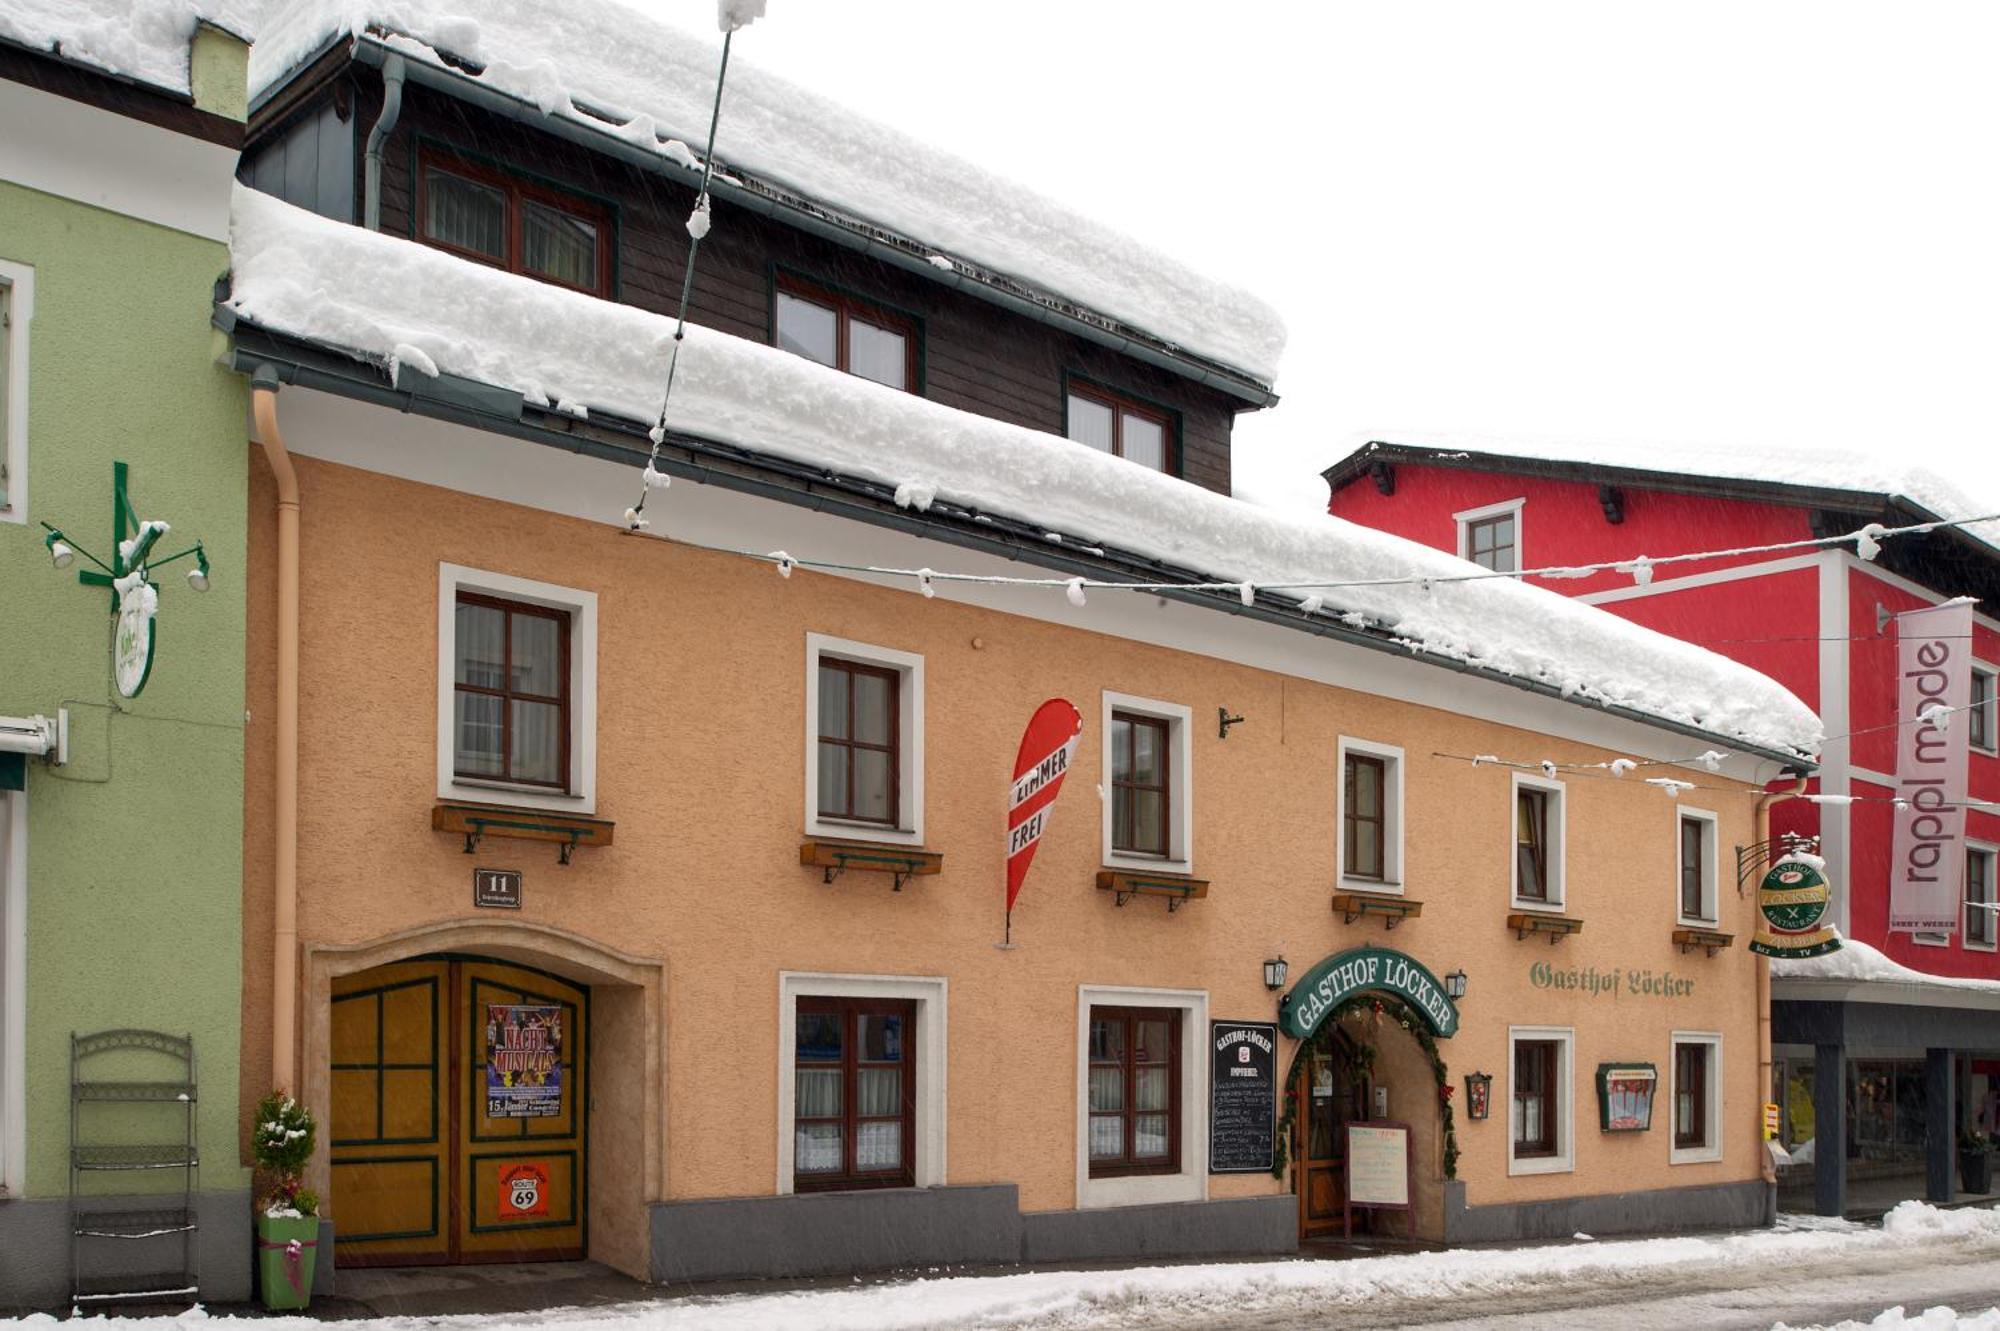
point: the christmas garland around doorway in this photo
(1378, 1007)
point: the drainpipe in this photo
(392, 107)
(1764, 1060)
(285, 782)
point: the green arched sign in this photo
(1345, 974)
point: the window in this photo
(1371, 815)
(864, 741)
(838, 331)
(17, 308)
(1696, 1098)
(854, 1093)
(493, 217)
(1141, 1096)
(1695, 857)
(1141, 795)
(1148, 809)
(1980, 923)
(1541, 1075)
(517, 691)
(511, 691)
(1121, 427)
(1134, 1091)
(1980, 733)
(1491, 536)
(857, 741)
(861, 1091)
(1538, 843)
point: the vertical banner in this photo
(1048, 747)
(1933, 677)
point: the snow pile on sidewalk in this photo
(142, 40)
(380, 296)
(630, 70)
(1855, 960)
(1930, 1319)
(1185, 1295)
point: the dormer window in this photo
(845, 334)
(493, 217)
(1120, 426)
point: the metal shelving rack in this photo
(100, 1223)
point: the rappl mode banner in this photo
(1933, 677)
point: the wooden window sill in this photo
(835, 857)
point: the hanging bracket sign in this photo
(1791, 910)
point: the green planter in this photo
(285, 1274)
(1975, 1171)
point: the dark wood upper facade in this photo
(970, 353)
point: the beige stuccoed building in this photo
(650, 885)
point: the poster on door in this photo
(523, 1060)
(524, 1190)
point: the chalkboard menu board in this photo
(1242, 1096)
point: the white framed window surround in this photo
(17, 312)
(931, 995)
(13, 991)
(1554, 832)
(1190, 1182)
(1985, 708)
(1180, 783)
(1562, 1099)
(1709, 867)
(1984, 889)
(1710, 1094)
(1466, 520)
(580, 789)
(909, 668)
(1391, 758)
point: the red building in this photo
(1820, 620)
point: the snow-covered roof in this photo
(386, 298)
(142, 40)
(1858, 963)
(1891, 474)
(656, 81)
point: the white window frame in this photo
(1558, 834)
(1464, 521)
(931, 994)
(1190, 1183)
(581, 795)
(1711, 1150)
(1564, 1160)
(13, 991)
(1391, 755)
(909, 829)
(1180, 791)
(1711, 896)
(1992, 673)
(19, 279)
(1992, 853)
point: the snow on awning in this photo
(142, 40)
(391, 299)
(1858, 964)
(650, 81)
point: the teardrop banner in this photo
(1048, 747)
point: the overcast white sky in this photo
(1748, 224)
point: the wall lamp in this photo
(1454, 985)
(1275, 971)
(198, 575)
(60, 552)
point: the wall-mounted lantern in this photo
(1275, 971)
(1454, 985)
(1478, 1094)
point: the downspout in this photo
(1764, 1060)
(285, 779)
(392, 107)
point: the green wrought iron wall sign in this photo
(135, 597)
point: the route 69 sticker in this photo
(524, 1190)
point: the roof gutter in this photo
(771, 201)
(710, 462)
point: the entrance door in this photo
(457, 1125)
(1327, 1095)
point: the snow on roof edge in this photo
(386, 297)
(1860, 963)
(146, 42)
(657, 81)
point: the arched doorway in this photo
(1329, 1089)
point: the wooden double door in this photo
(458, 1114)
(1328, 1093)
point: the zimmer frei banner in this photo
(1048, 747)
(1933, 686)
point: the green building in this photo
(121, 789)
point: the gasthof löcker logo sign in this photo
(1791, 906)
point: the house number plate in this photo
(498, 888)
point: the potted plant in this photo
(288, 1221)
(1975, 1161)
